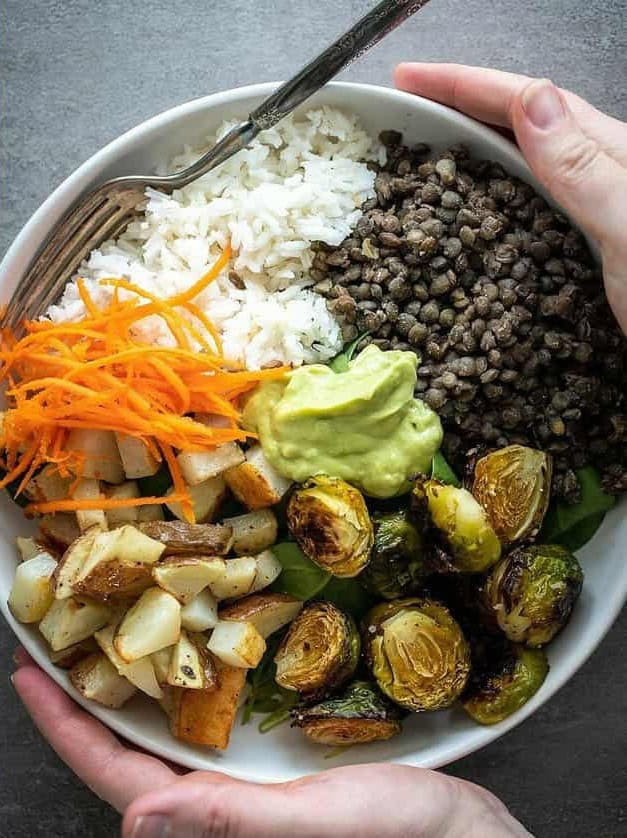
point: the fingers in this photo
(578, 153)
(575, 168)
(21, 657)
(489, 96)
(564, 139)
(205, 803)
(615, 278)
(486, 95)
(114, 773)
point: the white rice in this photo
(300, 182)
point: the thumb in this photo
(203, 804)
(365, 800)
(588, 183)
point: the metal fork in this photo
(105, 211)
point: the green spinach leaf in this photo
(340, 362)
(300, 577)
(349, 596)
(304, 580)
(281, 714)
(261, 683)
(573, 525)
(265, 695)
(440, 470)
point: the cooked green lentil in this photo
(501, 299)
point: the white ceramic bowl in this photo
(428, 740)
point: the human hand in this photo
(578, 153)
(364, 801)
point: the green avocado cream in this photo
(363, 425)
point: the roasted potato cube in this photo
(68, 621)
(206, 717)
(32, 594)
(124, 514)
(150, 512)
(213, 420)
(58, 531)
(199, 466)
(66, 658)
(268, 569)
(28, 548)
(137, 461)
(201, 613)
(191, 665)
(186, 576)
(266, 612)
(237, 578)
(100, 450)
(119, 564)
(48, 485)
(256, 483)
(237, 644)
(141, 673)
(183, 539)
(89, 489)
(153, 623)
(253, 532)
(161, 662)
(71, 564)
(96, 678)
(206, 498)
(136, 546)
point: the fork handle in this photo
(353, 43)
(367, 32)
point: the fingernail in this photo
(151, 826)
(11, 679)
(543, 104)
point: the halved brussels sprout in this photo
(319, 652)
(502, 683)
(463, 525)
(359, 715)
(330, 523)
(513, 485)
(417, 653)
(532, 591)
(397, 561)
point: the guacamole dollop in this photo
(363, 425)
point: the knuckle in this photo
(577, 161)
(218, 815)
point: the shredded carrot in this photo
(46, 507)
(95, 374)
(86, 298)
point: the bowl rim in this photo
(87, 174)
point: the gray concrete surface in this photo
(76, 73)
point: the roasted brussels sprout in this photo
(513, 485)
(359, 715)
(397, 561)
(462, 524)
(417, 653)
(330, 522)
(532, 591)
(319, 652)
(504, 681)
